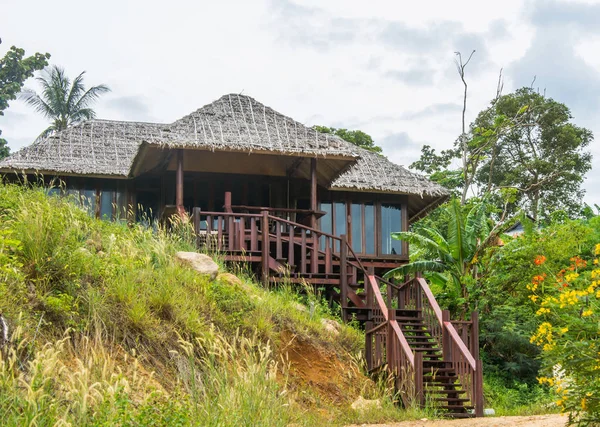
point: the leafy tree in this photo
(15, 68)
(451, 256)
(543, 158)
(356, 137)
(522, 152)
(63, 101)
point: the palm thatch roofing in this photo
(231, 123)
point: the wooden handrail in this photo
(431, 299)
(245, 215)
(403, 342)
(298, 225)
(376, 328)
(461, 345)
(378, 297)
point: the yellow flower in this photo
(587, 312)
(571, 276)
(583, 402)
(533, 298)
(597, 251)
(542, 310)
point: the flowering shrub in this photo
(569, 335)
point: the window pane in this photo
(325, 220)
(356, 227)
(391, 222)
(121, 205)
(106, 204)
(370, 229)
(340, 222)
(88, 201)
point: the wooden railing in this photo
(304, 252)
(387, 346)
(460, 349)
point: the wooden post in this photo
(446, 344)
(265, 247)
(478, 388)
(419, 389)
(314, 267)
(369, 345)
(227, 206)
(179, 183)
(196, 220)
(475, 335)
(344, 277)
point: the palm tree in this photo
(63, 101)
(451, 256)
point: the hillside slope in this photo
(108, 328)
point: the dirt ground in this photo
(530, 421)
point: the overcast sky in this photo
(385, 67)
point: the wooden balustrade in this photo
(280, 244)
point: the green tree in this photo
(522, 152)
(15, 68)
(62, 101)
(543, 158)
(450, 256)
(356, 137)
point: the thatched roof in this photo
(93, 147)
(231, 123)
(241, 123)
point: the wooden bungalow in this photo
(296, 204)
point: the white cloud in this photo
(329, 63)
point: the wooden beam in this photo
(313, 186)
(179, 182)
(294, 167)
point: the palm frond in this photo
(33, 99)
(75, 92)
(456, 232)
(416, 267)
(91, 95)
(419, 240)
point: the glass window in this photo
(88, 200)
(326, 225)
(357, 217)
(53, 191)
(391, 222)
(369, 228)
(340, 221)
(121, 205)
(106, 204)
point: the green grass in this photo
(110, 329)
(515, 398)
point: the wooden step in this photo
(450, 399)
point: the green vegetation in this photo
(356, 137)
(523, 152)
(14, 70)
(63, 101)
(107, 328)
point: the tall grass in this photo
(110, 329)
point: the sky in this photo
(384, 67)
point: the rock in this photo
(300, 307)
(362, 404)
(230, 279)
(203, 264)
(331, 326)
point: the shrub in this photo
(568, 334)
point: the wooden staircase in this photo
(433, 360)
